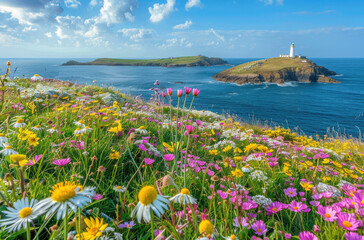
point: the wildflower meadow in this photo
(87, 162)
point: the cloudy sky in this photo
(163, 28)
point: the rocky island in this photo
(277, 70)
(192, 61)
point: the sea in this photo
(306, 108)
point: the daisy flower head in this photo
(184, 197)
(259, 228)
(19, 123)
(3, 139)
(94, 229)
(66, 195)
(307, 236)
(348, 221)
(37, 128)
(19, 159)
(129, 225)
(80, 123)
(119, 189)
(8, 150)
(149, 199)
(231, 237)
(18, 217)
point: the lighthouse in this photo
(291, 53)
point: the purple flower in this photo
(61, 162)
(290, 192)
(298, 207)
(142, 147)
(241, 222)
(328, 213)
(148, 161)
(348, 221)
(97, 196)
(275, 207)
(34, 160)
(259, 227)
(129, 225)
(307, 236)
(288, 235)
(248, 205)
(168, 157)
(353, 236)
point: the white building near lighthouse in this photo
(291, 53)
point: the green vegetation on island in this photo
(276, 70)
(192, 61)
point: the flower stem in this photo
(152, 223)
(65, 233)
(28, 231)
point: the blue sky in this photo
(163, 28)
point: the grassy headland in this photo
(192, 61)
(102, 164)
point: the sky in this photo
(166, 28)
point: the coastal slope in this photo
(276, 70)
(192, 61)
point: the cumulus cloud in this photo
(116, 11)
(48, 34)
(72, 3)
(270, 2)
(175, 42)
(160, 11)
(136, 34)
(192, 3)
(93, 3)
(185, 25)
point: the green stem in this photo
(152, 223)
(28, 231)
(65, 233)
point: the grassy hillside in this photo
(166, 62)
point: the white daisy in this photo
(78, 131)
(3, 139)
(184, 197)
(52, 130)
(19, 123)
(37, 128)
(23, 212)
(80, 123)
(8, 150)
(119, 189)
(36, 77)
(86, 130)
(231, 237)
(67, 195)
(149, 199)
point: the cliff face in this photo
(276, 71)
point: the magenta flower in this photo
(179, 93)
(241, 222)
(288, 235)
(148, 161)
(129, 225)
(307, 236)
(34, 160)
(328, 213)
(359, 198)
(188, 90)
(142, 147)
(169, 91)
(248, 205)
(97, 196)
(189, 129)
(168, 157)
(259, 227)
(290, 192)
(348, 221)
(62, 162)
(298, 207)
(275, 207)
(164, 94)
(353, 236)
(195, 92)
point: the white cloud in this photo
(116, 11)
(192, 3)
(185, 25)
(29, 29)
(221, 38)
(72, 3)
(136, 34)
(270, 2)
(175, 42)
(48, 34)
(93, 3)
(160, 11)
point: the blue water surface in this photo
(310, 108)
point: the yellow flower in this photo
(114, 155)
(307, 186)
(19, 159)
(172, 146)
(24, 134)
(213, 152)
(33, 140)
(237, 150)
(287, 171)
(117, 129)
(250, 147)
(227, 148)
(237, 173)
(94, 229)
(206, 228)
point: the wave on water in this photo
(233, 93)
(287, 84)
(339, 75)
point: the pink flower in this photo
(97, 196)
(290, 192)
(168, 157)
(164, 94)
(298, 207)
(288, 235)
(127, 225)
(34, 160)
(188, 90)
(195, 92)
(353, 236)
(275, 207)
(348, 221)
(259, 227)
(169, 91)
(61, 162)
(179, 93)
(189, 129)
(142, 147)
(148, 161)
(307, 236)
(328, 213)
(248, 205)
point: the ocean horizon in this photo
(307, 108)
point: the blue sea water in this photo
(310, 108)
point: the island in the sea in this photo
(277, 70)
(192, 61)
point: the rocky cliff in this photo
(276, 70)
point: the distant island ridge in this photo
(191, 61)
(285, 68)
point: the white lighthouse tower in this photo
(291, 53)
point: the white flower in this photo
(3, 139)
(184, 197)
(322, 187)
(52, 130)
(36, 77)
(119, 189)
(80, 123)
(86, 130)
(19, 123)
(149, 199)
(24, 212)
(66, 196)
(262, 200)
(231, 237)
(8, 150)
(37, 128)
